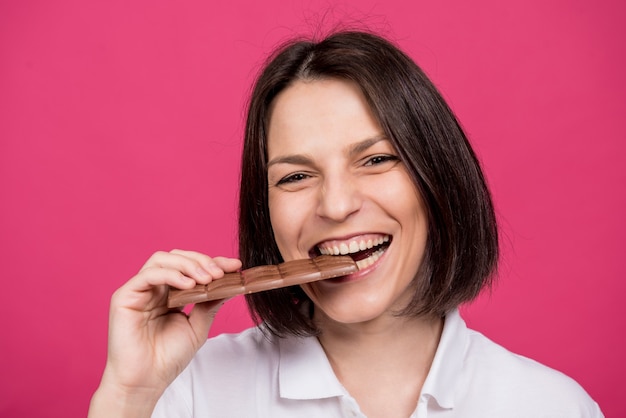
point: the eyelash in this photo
(292, 178)
(375, 160)
(380, 159)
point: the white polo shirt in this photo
(248, 375)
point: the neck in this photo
(382, 359)
(417, 336)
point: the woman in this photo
(348, 149)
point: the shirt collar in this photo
(304, 371)
(447, 365)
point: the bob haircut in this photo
(462, 246)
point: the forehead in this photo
(320, 111)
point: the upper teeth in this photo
(352, 247)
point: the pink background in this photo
(120, 129)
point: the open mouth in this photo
(364, 251)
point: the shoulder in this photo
(514, 381)
(488, 360)
(224, 378)
(249, 340)
(475, 376)
(236, 351)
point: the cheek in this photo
(276, 217)
(398, 193)
(285, 224)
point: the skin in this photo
(335, 179)
(344, 184)
(150, 345)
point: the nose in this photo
(339, 199)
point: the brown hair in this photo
(462, 245)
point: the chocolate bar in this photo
(260, 278)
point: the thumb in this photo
(202, 316)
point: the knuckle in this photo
(159, 254)
(154, 258)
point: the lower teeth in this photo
(366, 262)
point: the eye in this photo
(293, 178)
(380, 159)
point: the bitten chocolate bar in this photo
(257, 279)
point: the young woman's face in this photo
(336, 185)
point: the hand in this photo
(149, 344)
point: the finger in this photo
(216, 266)
(227, 264)
(150, 277)
(203, 260)
(201, 270)
(149, 289)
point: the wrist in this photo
(110, 400)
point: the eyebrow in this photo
(303, 159)
(359, 147)
(297, 159)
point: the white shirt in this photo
(248, 375)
